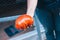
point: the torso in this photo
(44, 3)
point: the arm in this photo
(24, 21)
(31, 6)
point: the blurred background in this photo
(12, 7)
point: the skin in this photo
(31, 6)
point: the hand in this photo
(23, 22)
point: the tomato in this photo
(23, 21)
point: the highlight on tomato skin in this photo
(23, 21)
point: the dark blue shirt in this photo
(45, 3)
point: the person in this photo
(48, 14)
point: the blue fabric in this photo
(46, 19)
(47, 3)
(50, 19)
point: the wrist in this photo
(30, 14)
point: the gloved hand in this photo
(23, 22)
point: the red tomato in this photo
(23, 21)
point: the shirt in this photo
(45, 3)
